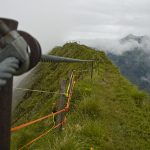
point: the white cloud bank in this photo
(53, 22)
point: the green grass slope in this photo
(107, 112)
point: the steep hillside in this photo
(134, 65)
(107, 112)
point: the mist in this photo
(53, 22)
(99, 24)
(117, 47)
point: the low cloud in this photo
(117, 47)
(91, 22)
(53, 22)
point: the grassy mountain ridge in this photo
(107, 112)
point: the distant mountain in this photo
(135, 63)
(131, 38)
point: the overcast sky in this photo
(53, 22)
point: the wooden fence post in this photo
(61, 104)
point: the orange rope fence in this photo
(70, 93)
(45, 133)
(37, 120)
(66, 109)
(50, 115)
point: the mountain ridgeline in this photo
(107, 112)
(134, 63)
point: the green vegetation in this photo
(107, 112)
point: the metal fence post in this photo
(5, 115)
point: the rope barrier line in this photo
(68, 88)
(37, 120)
(41, 91)
(45, 117)
(68, 100)
(45, 133)
(53, 118)
(69, 93)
